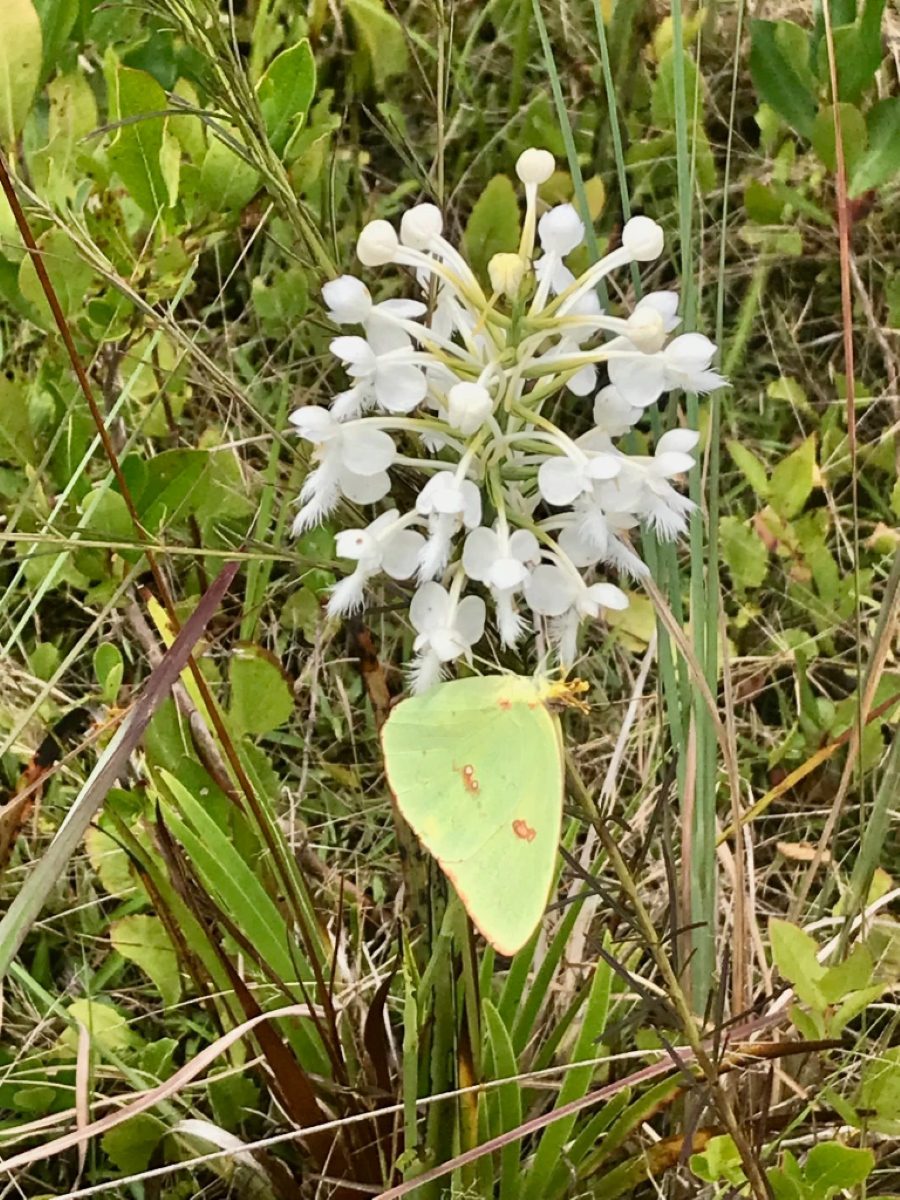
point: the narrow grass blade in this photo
(27, 905)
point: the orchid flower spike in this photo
(483, 414)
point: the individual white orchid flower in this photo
(558, 591)
(450, 504)
(502, 561)
(576, 471)
(643, 377)
(386, 379)
(352, 459)
(386, 544)
(643, 486)
(447, 628)
(613, 414)
(386, 324)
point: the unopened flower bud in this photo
(421, 225)
(506, 272)
(643, 239)
(377, 244)
(348, 300)
(647, 329)
(535, 166)
(561, 230)
(469, 406)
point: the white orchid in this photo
(386, 544)
(447, 628)
(463, 390)
(502, 561)
(353, 458)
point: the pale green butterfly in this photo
(476, 767)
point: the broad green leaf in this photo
(143, 940)
(719, 1162)
(227, 181)
(20, 66)
(173, 487)
(261, 697)
(752, 468)
(663, 96)
(70, 276)
(281, 304)
(880, 1086)
(858, 52)
(779, 66)
(130, 1145)
(493, 225)
(16, 437)
(234, 1098)
(881, 161)
(107, 1026)
(833, 1167)
(57, 19)
(762, 203)
(853, 136)
(794, 953)
(744, 552)
(144, 153)
(793, 479)
(110, 862)
(72, 116)
(853, 973)
(285, 93)
(383, 37)
(109, 667)
(43, 660)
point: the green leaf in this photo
(762, 203)
(69, 273)
(794, 954)
(144, 154)
(143, 940)
(227, 181)
(234, 1098)
(43, 660)
(752, 468)
(110, 862)
(853, 973)
(106, 1025)
(16, 438)
(744, 553)
(853, 136)
(383, 37)
(720, 1161)
(832, 1167)
(261, 697)
(663, 97)
(779, 66)
(57, 19)
(72, 116)
(880, 1086)
(281, 304)
(20, 66)
(109, 667)
(285, 93)
(793, 479)
(858, 53)
(130, 1145)
(881, 161)
(173, 487)
(493, 225)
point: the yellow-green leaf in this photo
(383, 37)
(20, 66)
(493, 226)
(261, 698)
(143, 940)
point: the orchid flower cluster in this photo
(457, 393)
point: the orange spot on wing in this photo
(467, 775)
(504, 703)
(523, 830)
